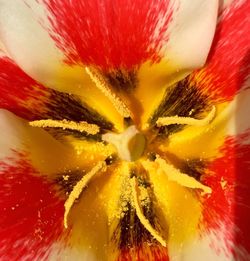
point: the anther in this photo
(81, 126)
(78, 188)
(144, 221)
(165, 121)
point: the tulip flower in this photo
(125, 131)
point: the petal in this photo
(182, 212)
(106, 37)
(19, 93)
(31, 218)
(32, 167)
(106, 30)
(46, 154)
(30, 211)
(228, 62)
(23, 30)
(22, 36)
(204, 142)
(113, 43)
(207, 247)
(227, 209)
(27, 98)
(197, 33)
(67, 253)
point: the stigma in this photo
(129, 144)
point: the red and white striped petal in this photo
(227, 67)
(32, 203)
(190, 35)
(31, 212)
(32, 198)
(31, 209)
(105, 37)
(30, 100)
(227, 211)
(24, 35)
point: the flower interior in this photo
(137, 154)
(125, 131)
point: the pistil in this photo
(130, 144)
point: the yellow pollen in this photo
(179, 177)
(141, 216)
(81, 126)
(165, 121)
(78, 188)
(106, 90)
(66, 177)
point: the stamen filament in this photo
(181, 178)
(65, 124)
(165, 121)
(106, 90)
(141, 216)
(78, 188)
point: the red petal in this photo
(20, 94)
(110, 33)
(229, 202)
(31, 217)
(228, 63)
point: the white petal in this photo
(226, 3)
(192, 33)
(27, 42)
(201, 249)
(240, 111)
(63, 253)
(213, 247)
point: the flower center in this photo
(129, 144)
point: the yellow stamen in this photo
(77, 190)
(65, 124)
(164, 121)
(179, 177)
(141, 216)
(102, 85)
